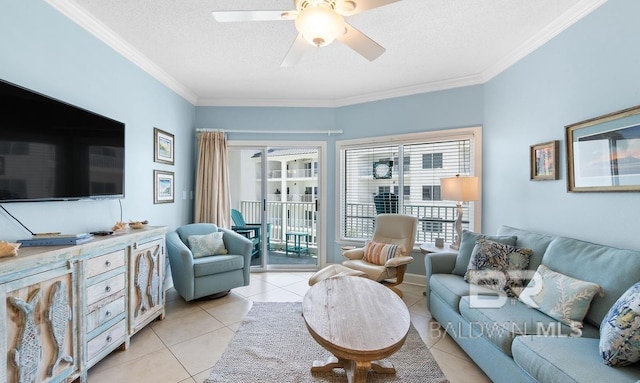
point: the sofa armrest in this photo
(398, 261)
(437, 263)
(354, 253)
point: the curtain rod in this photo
(327, 132)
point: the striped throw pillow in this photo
(379, 253)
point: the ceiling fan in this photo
(318, 22)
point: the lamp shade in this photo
(319, 25)
(459, 188)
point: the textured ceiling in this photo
(431, 44)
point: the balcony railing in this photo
(433, 221)
(291, 197)
(293, 173)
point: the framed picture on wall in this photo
(163, 186)
(544, 161)
(163, 147)
(603, 153)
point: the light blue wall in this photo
(454, 108)
(42, 50)
(589, 70)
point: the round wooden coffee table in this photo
(359, 321)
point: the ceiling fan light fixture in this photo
(319, 25)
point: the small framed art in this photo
(544, 161)
(163, 147)
(163, 186)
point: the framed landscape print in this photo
(163, 186)
(544, 161)
(163, 146)
(603, 153)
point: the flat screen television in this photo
(53, 151)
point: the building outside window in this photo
(432, 161)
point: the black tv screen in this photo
(50, 150)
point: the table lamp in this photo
(459, 189)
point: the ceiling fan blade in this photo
(360, 43)
(296, 51)
(230, 16)
(353, 7)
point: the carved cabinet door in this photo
(40, 322)
(146, 284)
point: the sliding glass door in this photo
(275, 195)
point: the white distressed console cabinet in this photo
(64, 308)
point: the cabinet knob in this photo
(107, 263)
(109, 339)
(107, 289)
(107, 314)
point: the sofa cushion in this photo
(620, 330)
(498, 266)
(615, 270)
(208, 244)
(451, 288)
(216, 265)
(537, 242)
(567, 359)
(502, 324)
(468, 242)
(561, 297)
(379, 253)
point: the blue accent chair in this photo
(195, 278)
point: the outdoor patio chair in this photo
(250, 231)
(386, 203)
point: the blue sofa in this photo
(516, 343)
(201, 277)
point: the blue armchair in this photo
(195, 278)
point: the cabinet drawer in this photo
(104, 263)
(105, 288)
(111, 337)
(103, 313)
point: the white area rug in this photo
(273, 345)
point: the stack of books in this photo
(54, 239)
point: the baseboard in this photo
(415, 279)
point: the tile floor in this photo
(188, 342)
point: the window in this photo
(431, 193)
(406, 190)
(425, 158)
(406, 163)
(432, 161)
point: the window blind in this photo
(411, 186)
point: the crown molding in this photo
(87, 21)
(106, 35)
(564, 21)
(267, 102)
(369, 97)
(413, 90)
